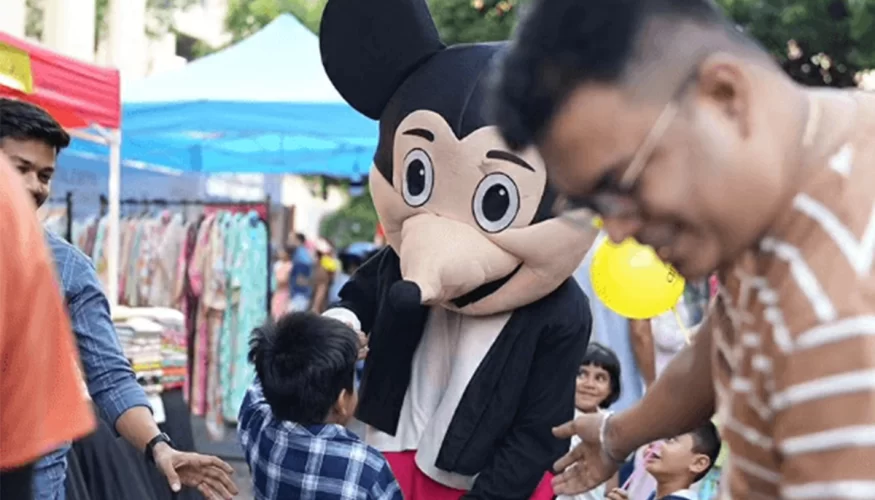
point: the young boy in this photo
(678, 463)
(291, 424)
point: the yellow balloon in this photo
(632, 281)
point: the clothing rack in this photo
(185, 203)
(67, 200)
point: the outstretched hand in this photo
(586, 465)
(210, 475)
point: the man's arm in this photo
(642, 347)
(111, 381)
(530, 448)
(681, 399)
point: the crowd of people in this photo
(660, 117)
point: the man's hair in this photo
(304, 361)
(603, 357)
(300, 238)
(706, 441)
(561, 44)
(24, 121)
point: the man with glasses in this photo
(663, 118)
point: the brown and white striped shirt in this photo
(794, 340)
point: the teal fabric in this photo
(230, 232)
(250, 278)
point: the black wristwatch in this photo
(150, 448)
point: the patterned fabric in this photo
(288, 460)
(111, 382)
(794, 351)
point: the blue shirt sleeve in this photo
(386, 486)
(110, 378)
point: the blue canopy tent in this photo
(263, 105)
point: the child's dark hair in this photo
(603, 357)
(304, 361)
(706, 440)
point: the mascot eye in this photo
(496, 203)
(418, 178)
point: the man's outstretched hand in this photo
(586, 466)
(210, 475)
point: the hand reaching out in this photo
(210, 475)
(586, 466)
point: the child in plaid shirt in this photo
(291, 423)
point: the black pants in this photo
(105, 467)
(17, 483)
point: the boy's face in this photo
(674, 457)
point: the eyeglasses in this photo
(618, 200)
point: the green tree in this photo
(818, 42)
(468, 21)
(356, 221)
(246, 17)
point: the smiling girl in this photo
(598, 387)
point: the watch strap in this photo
(150, 447)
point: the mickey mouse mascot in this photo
(476, 330)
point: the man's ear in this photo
(339, 407)
(724, 84)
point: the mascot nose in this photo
(446, 258)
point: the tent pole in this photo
(113, 222)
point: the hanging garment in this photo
(213, 302)
(252, 277)
(234, 262)
(198, 272)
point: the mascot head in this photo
(469, 218)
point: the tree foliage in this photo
(246, 17)
(356, 221)
(818, 42)
(469, 21)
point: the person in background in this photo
(301, 276)
(350, 259)
(323, 275)
(42, 402)
(614, 331)
(291, 423)
(598, 387)
(32, 139)
(282, 268)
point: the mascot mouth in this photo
(484, 290)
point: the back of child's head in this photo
(304, 361)
(603, 357)
(706, 441)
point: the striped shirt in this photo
(794, 340)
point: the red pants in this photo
(417, 486)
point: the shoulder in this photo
(74, 268)
(566, 307)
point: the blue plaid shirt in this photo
(313, 462)
(110, 379)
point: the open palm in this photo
(586, 465)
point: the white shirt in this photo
(597, 493)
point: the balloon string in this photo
(683, 327)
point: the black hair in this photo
(301, 238)
(706, 441)
(603, 357)
(24, 121)
(561, 44)
(304, 361)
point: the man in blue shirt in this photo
(32, 139)
(301, 276)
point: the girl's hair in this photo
(606, 359)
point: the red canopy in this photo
(76, 94)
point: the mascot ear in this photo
(369, 47)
